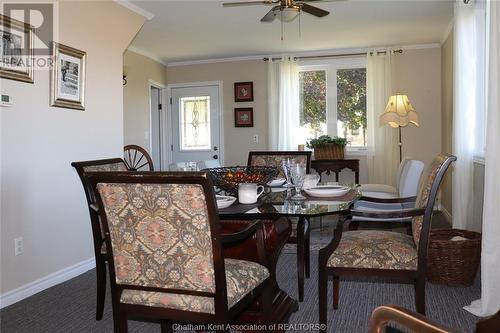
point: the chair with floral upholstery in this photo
(166, 251)
(300, 229)
(384, 253)
(100, 253)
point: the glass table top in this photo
(276, 202)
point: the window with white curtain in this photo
(333, 100)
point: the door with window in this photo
(195, 123)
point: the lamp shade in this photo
(399, 112)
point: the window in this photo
(333, 101)
(195, 123)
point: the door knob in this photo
(215, 157)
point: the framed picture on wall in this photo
(16, 50)
(67, 77)
(243, 117)
(243, 92)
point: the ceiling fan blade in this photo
(247, 3)
(314, 10)
(302, 1)
(270, 16)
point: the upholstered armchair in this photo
(166, 258)
(384, 253)
(100, 252)
(379, 197)
(300, 229)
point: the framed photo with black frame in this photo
(243, 92)
(243, 117)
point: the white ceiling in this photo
(198, 30)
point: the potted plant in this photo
(327, 147)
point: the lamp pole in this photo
(400, 146)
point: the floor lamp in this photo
(399, 113)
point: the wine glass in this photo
(298, 173)
(285, 165)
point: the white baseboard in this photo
(46, 282)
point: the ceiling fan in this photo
(285, 10)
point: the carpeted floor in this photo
(69, 307)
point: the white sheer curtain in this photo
(383, 157)
(490, 253)
(468, 103)
(284, 101)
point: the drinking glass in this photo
(298, 173)
(285, 165)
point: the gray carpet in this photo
(69, 307)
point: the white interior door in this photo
(196, 133)
(155, 104)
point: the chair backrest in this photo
(274, 158)
(104, 165)
(410, 172)
(426, 198)
(208, 164)
(163, 231)
(137, 158)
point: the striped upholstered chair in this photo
(384, 253)
(166, 257)
(105, 165)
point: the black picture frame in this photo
(243, 117)
(243, 92)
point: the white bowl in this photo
(276, 182)
(224, 201)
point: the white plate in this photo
(324, 191)
(276, 182)
(224, 201)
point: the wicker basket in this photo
(329, 152)
(453, 263)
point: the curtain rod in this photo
(333, 55)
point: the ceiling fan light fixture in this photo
(288, 14)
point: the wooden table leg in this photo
(300, 257)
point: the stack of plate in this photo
(325, 191)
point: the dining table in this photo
(275, 208)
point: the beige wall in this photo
(42, 197)
(237, 141)
(418, 74)
(447, 115)
(140, 72)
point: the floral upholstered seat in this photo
(241, 278)
(375, 249)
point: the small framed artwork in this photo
(243, 117)
(243, 92)
(16, 50)
(67, 77)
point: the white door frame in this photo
(168, 119)
(163, 99)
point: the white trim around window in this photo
(331, 66)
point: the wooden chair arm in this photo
(384, 314)
(400, 213)
(388, 200)
(94, 207)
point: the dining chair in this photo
(166, 258)
(300, 229)
(384, 315)
(100, 251)
(384, 253)
(408, 179)
(137, 158)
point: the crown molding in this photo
(447, 32)
(136, 9)
(147, 55)
(299, 54)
